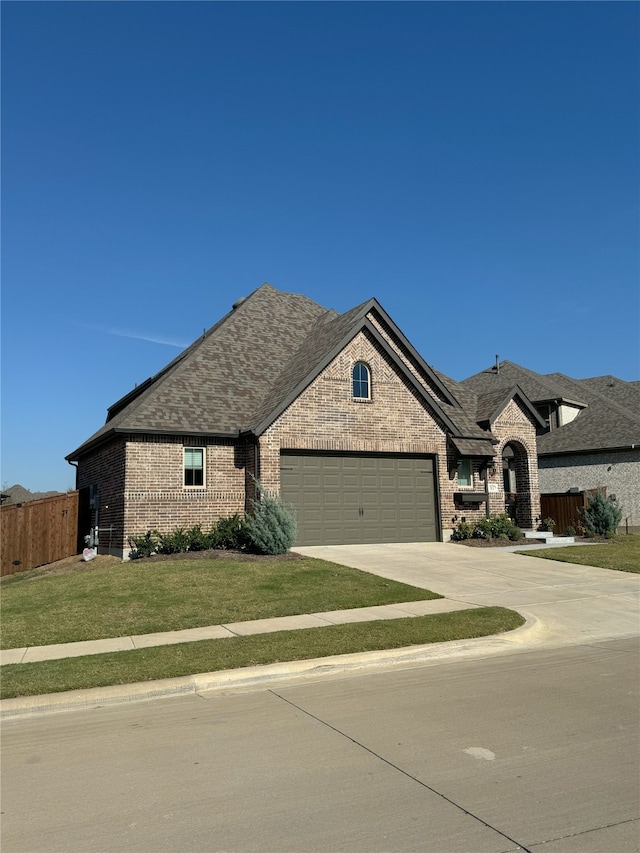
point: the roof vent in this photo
(238, 303)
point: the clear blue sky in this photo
(473, 166)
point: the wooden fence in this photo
(38, 532)
(565, 508)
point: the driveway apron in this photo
(569, 603)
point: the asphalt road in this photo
(536, 751)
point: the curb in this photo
(529, 635)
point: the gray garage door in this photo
(346, 499)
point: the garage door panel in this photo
(351, 498)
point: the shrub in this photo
(229, 534)
(603, 515)
(570, 531)
(548, 525)
(516, 534)
(272, 527)
(143, 546)
(495, 527)
(176, 542)
(464, 530)
(197, 540)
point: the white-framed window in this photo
(361, 379)
(194, 459)
(465, 473)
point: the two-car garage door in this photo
(346, 499)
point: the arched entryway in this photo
(516, 482)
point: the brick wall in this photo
(105, 468)
(140, 483)
(516, 427)
(155, 497)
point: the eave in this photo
(105, 437)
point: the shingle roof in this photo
(216, 384)
(244, 371)
(610, 417)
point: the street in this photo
(534, 750)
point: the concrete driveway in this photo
(568, 604)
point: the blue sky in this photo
(474, 166)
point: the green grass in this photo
(35, 679)
(141, 598)
(621, 553)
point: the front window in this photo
(361, 381)
(464, 473)
(194, 466)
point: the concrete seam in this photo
(400, 770)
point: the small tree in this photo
(272, 527)
(603, 515)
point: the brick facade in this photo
(105, 468)
(515, 427)
(140, 483)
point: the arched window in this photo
(361, 381)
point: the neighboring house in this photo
(591, 437)
(337, 413)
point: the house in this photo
(591, 437)
(338, 413)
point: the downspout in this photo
(486, 490)
(74, 465)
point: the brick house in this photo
(336, 412)
(591, 435)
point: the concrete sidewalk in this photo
(31, 654)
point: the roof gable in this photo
(323, 345)
(357, 324)
(610, 416)
(491, 406)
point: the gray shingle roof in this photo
(216, 384)
(250, 365)
(610, 419)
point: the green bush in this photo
(143, 546)
(495, 527)
(229, 534)
(547, 525)
(197, 540)
(464, 530)
(176, 542)
(602, 516)
(272, 527)
(570, 531)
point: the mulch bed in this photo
(495, 543)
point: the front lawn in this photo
(145, 597)
(621, 553)
(32, 679)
